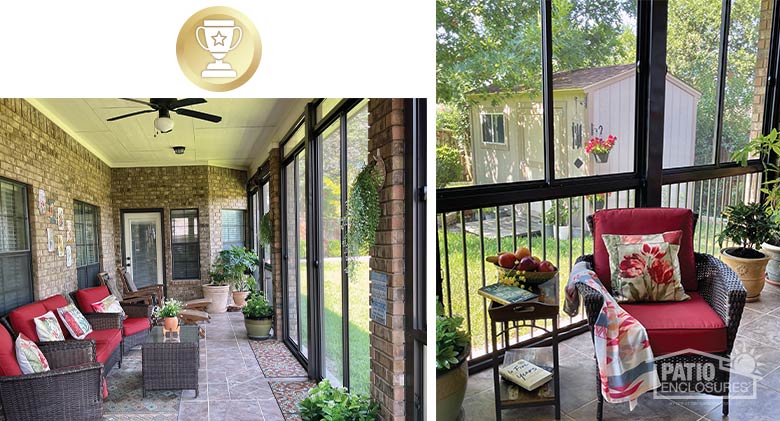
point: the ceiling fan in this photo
(164, 106)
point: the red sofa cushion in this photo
(52, 304)
(22, 317)
(133, 325)
(644, 221)
(8, 364)
(106, 340)
(674, 326)
(86, 297)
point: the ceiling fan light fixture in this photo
(179, 150)
(163, 124)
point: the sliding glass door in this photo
(294, 254)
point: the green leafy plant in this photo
(170, 308)
(244, 283)
(451, 340)
(326, 402)
(765, 146)
(563, 212)
(232, 264)
(449, 167)
(747, 226)
(363, 213)
(266, 230)
(257, 307)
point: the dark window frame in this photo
(493, 118)
(196, 243)
(83, 271)
(26, 252)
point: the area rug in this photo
(288, 394)
(125, 395)
(276, 360)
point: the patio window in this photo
(185, 244)
(233, 227)
(296, 293)
(86, 228)
(493, 128)
(15, 274)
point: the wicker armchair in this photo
(70, 390)
(135, 328)
(130, 290)
(720, 288)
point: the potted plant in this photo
(258, 316)
(562, 229)
(452, 348)
(763, 146)
(600, 147)
(241, 289)
(326, 402)
(169, 312)
(747, 225)
(230, 266)
(363, 212)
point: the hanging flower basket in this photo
(602, 157)
(600, 148)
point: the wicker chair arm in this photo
(722, 290)
(138, 310)
(592, 300)
(100, 321)
(68, 353)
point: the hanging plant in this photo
(266, 233)
(363, 212)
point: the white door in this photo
(143, 248)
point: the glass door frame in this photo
(122, 213)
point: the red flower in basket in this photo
(599, 145)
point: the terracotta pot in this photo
(239, 297)
(750, 271)
(170, 323)
(451, 390)
(219, 297)
(773, 267)
(258, 328)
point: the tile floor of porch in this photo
(759, 335)
(232, 384)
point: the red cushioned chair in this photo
(135, 328)
(708, 322)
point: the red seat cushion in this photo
(8, 364)
(52, 304)
(22, 319)
(86, 297)
(644, 221)
(133, 325)
(106, 340)
(675, 326)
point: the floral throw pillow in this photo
(109, 305)
(74, 321)
(48, 328)
(31, 359)
(645, 267)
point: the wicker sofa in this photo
(70, 390)
(135, 328)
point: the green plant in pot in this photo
(326, 402)
(747, 226)
(766, 147)
(229, 268)
(452, 349)
(562, 230)
(258, 316)
(169, 312)
(241, 289)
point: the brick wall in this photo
(762, 63)
(36, 152)
(227, 190)
(275, 197)
(386, 137)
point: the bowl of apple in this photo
(520, 268)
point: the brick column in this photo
(275, 200)
(386, 137)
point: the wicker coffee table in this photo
(170, 363)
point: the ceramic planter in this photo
(258, 328)
(451, 390)
(773, 267)
(170, 323)
(239, 297)
(601, 158)
(750, 271)
(219, 297)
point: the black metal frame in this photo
(28, 252)
(161, 211)
(197, 230)
(91, 281)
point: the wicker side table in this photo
(171, 363)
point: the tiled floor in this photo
(759, 335)
(232, 386)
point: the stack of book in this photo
(506, 294)
(525, 374)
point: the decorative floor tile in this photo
(288, 394)
(276, 360)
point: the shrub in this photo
(747, 226)
(449, 168)
(257, 307)
(326, 402)
(450, 340)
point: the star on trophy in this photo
(218, 35)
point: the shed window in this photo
(493, 128)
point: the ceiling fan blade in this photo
(197, 114)
(186, 102)
(138, 101)
(131, 114)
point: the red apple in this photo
(546, 266)
(528, 264)
(506, 260)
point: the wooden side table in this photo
(512, 317)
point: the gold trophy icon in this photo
(218, 35)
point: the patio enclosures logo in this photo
(709, 376)
(218, 48)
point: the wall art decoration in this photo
(41, 202)
(60, 219)
(68, 256)
(68, 231)
(49, 240)
(60, 246)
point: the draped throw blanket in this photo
(625, 360)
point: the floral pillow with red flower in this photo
(645, 267)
